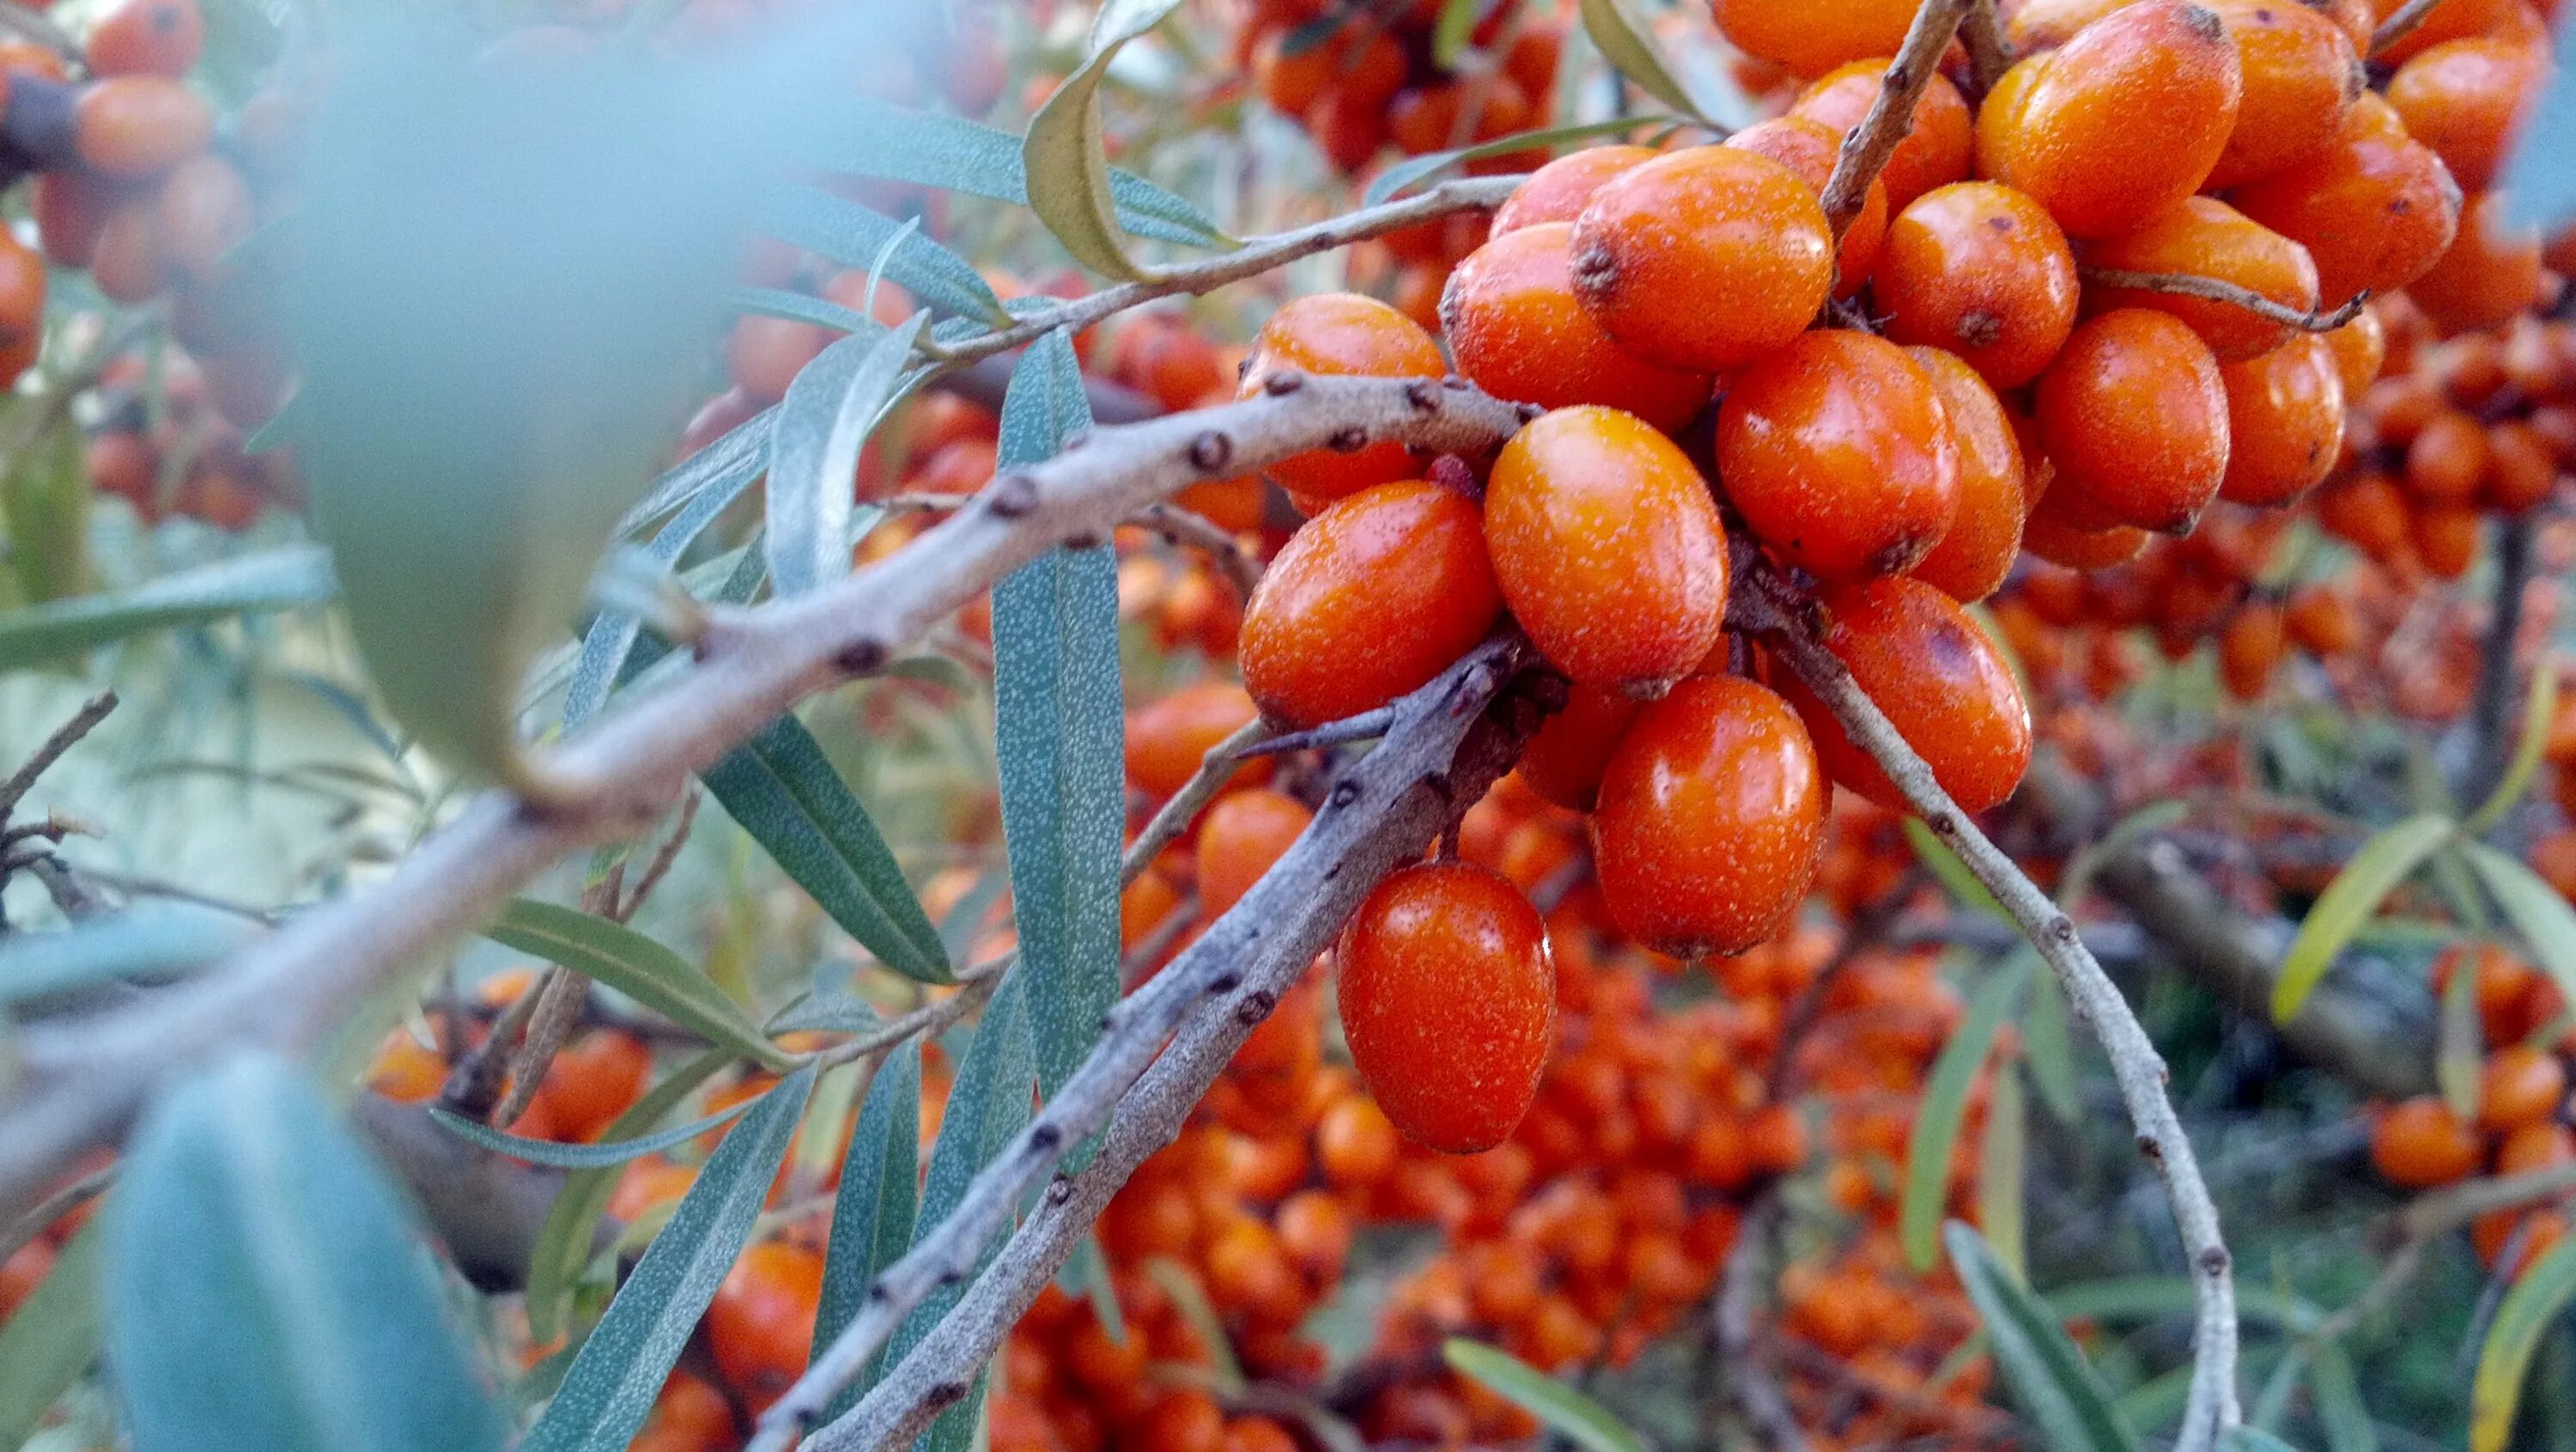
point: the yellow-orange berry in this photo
(1707, 223)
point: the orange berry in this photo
(2249, 648)
(2447, 20)
(1449, 1003)
(761, 1322)
(2446, 458)
(1941, 148)
(1709, 222)
(763, 354)
(1355, 1143)
(22, 1272)
(1983, 271)
(1984, 537)
(1807, 39)
(646, 1183)
(1838, 454)
(2360, 350)
(2488, 275)
(2374, 209)
(1315, 1230)
(1370, 599)
(131, 262)
(1183, 1419)
(2446, 538)
(1257, 1434)
(2519, 1085)
(1937, 678)
(1241, 837)
(2300, 75)
(2068, 131)
(1564, 761)
(147, 38)
(2284, 422)
(2420, 1142)
(1711, 819)
(1341, 335)
(1809, 149)
(135, 126)
(2134, 414)
(2040, 25)
(2522, 468)
(1607, 547)
(1169, 738)
(206, 210)
(406, 1070)
(2540, 1145)
(1511, 316)
(70, 208)
(2206, 237)
(2463, 99)
(2322, 622)
(1559, 191)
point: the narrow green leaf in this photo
(46, 497)
(149, 942)
(1948, 870)
(1058, 732)
(613, 1381)
(2539, 706)
(823, 423)
(2341, 1413)
(1449, 33)
(854, 236)
(2459, 1046)
(589, 1156)
(1086, 1274)
(1569, 1413)
(872, 1213)
(2123, 835)
(250, 585)
(783, 790)
(740, 452)
(1633, 53)
(636, 966)
(2528, 1310)
(1063, 156)
(833, 1013)
(265, 1287)
(2545, 922)
(1393, 181)
(609, 644)
(1944, 1107)
(2271, 1404)
(1190, 1301)
(2048, 1374)
(2352, 899)
(51, 1338)
(2002, 1171)
(802, 307)
(2049, 1051)
(564, 1244)
(2251, 1439)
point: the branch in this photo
(1447, 747)
(1891, 116)
(1216, 768)
(1989, 54)
(82, 1083)
(2211, 289)
(1768, 606)
(1198, 532)
(1382, 811)
(1752, 1375)
(65, 737)
(2400, 24)
(2491, 718)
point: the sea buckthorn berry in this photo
(1449, 1003)
(135, 126)
(2462, 98)
(131, 261)
(2206, 237)
(2445, 537)
(2043, 25)
(1808, 149)
(2070, 134)
(1341, 334)
(2134, 413)
(2321, 620)
(1941, 148)
(1559, 191)
(147, 38)
(2284, 422)
(1837, 452)
(2488, 275)
(2249, 648)
(2300, 74)
(761, 1322)
(1243, 836)
(1983, 271)
(2360, 349)
(1939, 680)
(2420, 1142)
(2446, 458)
(1355, 1145)
(1369, 599)
(1807, 39)
(1564, 761)
(2374, 209)
(70, 207)
(1607, 547)
(2519, 1085)
(1977, 550)
(206, 210)
(1169, 737)
(2447, 20)
(1706, 223)
(1711, 819)
(2051, 538)
(1511, 316)
(2522, 468)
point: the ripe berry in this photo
(2066, 127)
(1169, 737)
(147, 38)
(2374, 209)
(1983, 271)
(2249, 648)
(2300, 74)
(206, 210)
(1607, 548)
(2420, 1142)
(1368, 600)
(1707, 223)
(1559, 191)
(1807, 39)
(1564, 761)
(2135, 418)
(2284, 422)
(2462, 98)
(2519, 1085)
(1242, 837)
(1341, 334)
(1937, 678)
(2488, 275)
(2206, 237)
(2360, 349)
(2447, 20)
(1941, 148)
(1838, 454)
(1511, 316)
(1810, 150)
(1449, 1003)
(134, 126)
(1977, 550)
(1711, 819)
(761, 1323)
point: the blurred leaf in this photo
(774, 302)
(1086, 1274)
(2539, 706)
(854, 236)
(155, 940)
(782, 789)
(2352, 899)
(823, 423)
(2545, 922)
(2002, 1169)
(2048, 1374)
(266, 1288)
(593, 1155)
(837, 1013)
(2459, 1046)
(609, 643)
(1063, 156)
(872, 1213)
(1949, 871)
(46, 495)
(958, 155)
(1943, 1109)
(249, 584)
(2528, 1310)
(1449, 33)
(51, 1338)
(1633, 53)
(563, 1246)
(1562, 1409)
(636, 966)
(1397, 178)
(2124, 834)
(1190, 1301)
(2048, 1050)
(613, 1382)
(1059, 732)
(737, 454)
(2341, 1413)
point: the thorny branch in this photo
(65, 737)
(2211, 289)
(1891, 114)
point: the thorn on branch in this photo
(1348, 441)
(1256, 1006)
(1044, 1137)
(862, 657)
(1011, 496)
(1343, 794)
(2215, 1261)
(1422, 398)
(1283, 383)
(1211, 451)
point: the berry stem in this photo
(2400, 24)
(1891, 116)
(2211, 289)
(1989, 54)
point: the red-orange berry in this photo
(1564, 761)
(1941, 148)
(2420, 1142)
(761, 1322)
(2300, 74)
(2489, 274)
(1341, 334)
(1169, 737)
(1978, 549)
(1511, 316)
(1710, 222)
(1242, 837)
(134, 126)
(2135, 418)
(147, 38)
(1807, 39)
(2205, 237)
(2519, 1085)
(1983, 271)
(1560, 190)
(2284, 422)
(2463, 98)
(2374, 209)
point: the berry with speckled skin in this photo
(1984, 271)
(1512, 319)
(1341, 334)
(1658, 247)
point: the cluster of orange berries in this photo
(1361, 76)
